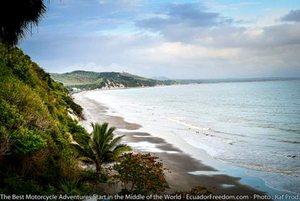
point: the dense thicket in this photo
(35, 127)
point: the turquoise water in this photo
(253, 125)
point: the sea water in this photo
(252, 125)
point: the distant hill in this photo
(161, 78)
(87, 80)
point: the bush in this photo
(77, 109)
(141, 173)
(20, 185)
(9, 115)
(70, 187)
(26, 141)
(34, 126)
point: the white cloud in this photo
(182, 42)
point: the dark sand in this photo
(178, 163)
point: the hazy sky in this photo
(177, 39)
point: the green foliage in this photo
(18, 184)
(105, 145)
(141, 173)
(88, 175)
(25, 141)
(37, 136)
(102, 146)
(79, 134)
(70, 187)
(77, 109)
(9, 115)
(35, 127)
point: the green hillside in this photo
(93, 80)
(36, 128)
(43, 150)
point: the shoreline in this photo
(193, 83)
(124, 88)
(180, 164)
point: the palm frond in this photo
(119, 150)
(17, 17)
(115, 142)
(111, 130)
(103, 146)
(84, 152)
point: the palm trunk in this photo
(98, 168)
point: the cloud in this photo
(292, 16)
(183, 40)
(189, 15)
(193, 24)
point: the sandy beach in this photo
(178, 163)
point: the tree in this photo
(17, 16)
(141, 173)
(102, 146)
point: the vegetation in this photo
(37, 133)
(102, 146)
(93, 80)
(37, 136)
(141, 173)
(18, 16)
(87, 80)
(35, 128)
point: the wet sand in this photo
(178, 163)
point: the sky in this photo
(185, 39)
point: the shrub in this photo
(77, 109)
(9, 115)
(142, 173)
(79, 134)
(70, 187)
(20, 185)
(26, 141)
(35, 128)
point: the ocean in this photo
(253, 127)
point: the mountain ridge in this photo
(88, 80)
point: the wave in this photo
(289, 141)
(204, 130)
(260, 167)
(295, 131)
(275, 127)
(199, 130)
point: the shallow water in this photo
(254, 125)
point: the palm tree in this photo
(17, 16)
(102, 147)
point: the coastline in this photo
(179, 164)
(190, 83)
